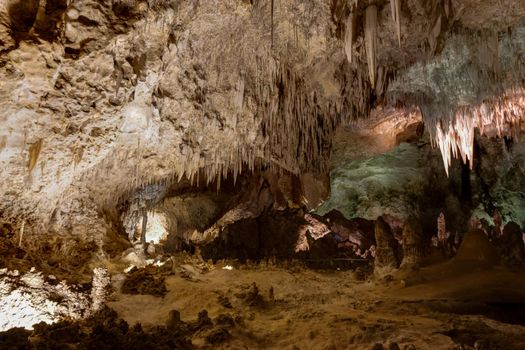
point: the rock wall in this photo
(101, 99)
(408, 187)
(130, 93)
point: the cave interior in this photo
(262, 174)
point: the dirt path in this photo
(332, 310)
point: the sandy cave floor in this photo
(440, 307)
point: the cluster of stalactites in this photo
(295, 128)
(503, 115)
(192, 167)
(297, 124)
(370, 33)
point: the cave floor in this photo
(440, 307)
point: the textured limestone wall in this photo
(388, 183)
(410, 181)
(132, 93)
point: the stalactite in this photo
(21, 235)
(272, 10)
(239, 94)
(505, 114)
(144, 227)
(395, 7)
(34, 153)
(41, 14)
(349, 36)
(290, 119)
(371, 41)
(294, 129)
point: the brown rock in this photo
(412, 243)
(511, 246)
(386, 246)
(476, 248)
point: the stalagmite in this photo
(371, 41)
(386, 255)
(100, 283)
(412, 243)
(441, 227)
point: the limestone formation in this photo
(371, 42)
(386, 247)
(413, 248)
(477, 249)
(441, 228)
(99, 289)
(511, 244)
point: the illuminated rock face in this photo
(30, 298)
(475, 83)
(388, 183)
(410, 181)
(143, 93)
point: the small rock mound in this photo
(250, 295)
(144, 281)
(104, 330)
(477, 248)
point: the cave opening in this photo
(257, 217)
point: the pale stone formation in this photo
(110, 97)
(99, 288)
(30, 298)
(441, 228)
(445, 241)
